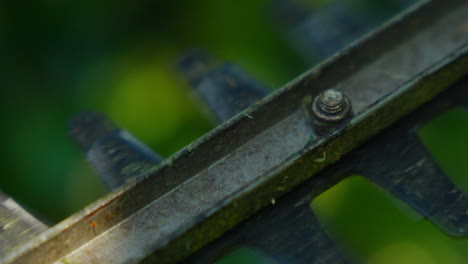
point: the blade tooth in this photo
(458, 96)
(226, 89)
(401, 165)
(289, 12)
(87, 127)
(318, 34)
(295, 236)
(17, 226)
(461, 97)
(113, 152)
(194, 64)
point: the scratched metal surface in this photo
(401, 63)
(168, 212)
(17, 226)
(288, 231)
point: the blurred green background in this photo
(117, 57)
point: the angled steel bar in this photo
(17, 226)
(226, 91)
(286, 231)
(281, 229)
(235, 170)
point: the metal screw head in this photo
(329, 108)
(331, 101)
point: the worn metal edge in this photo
(17, 225)
(303, 165)
(120, 197)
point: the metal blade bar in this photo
(282, 227)
(287, 231)
(226, 90)
(236, 169)
(17, 226)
